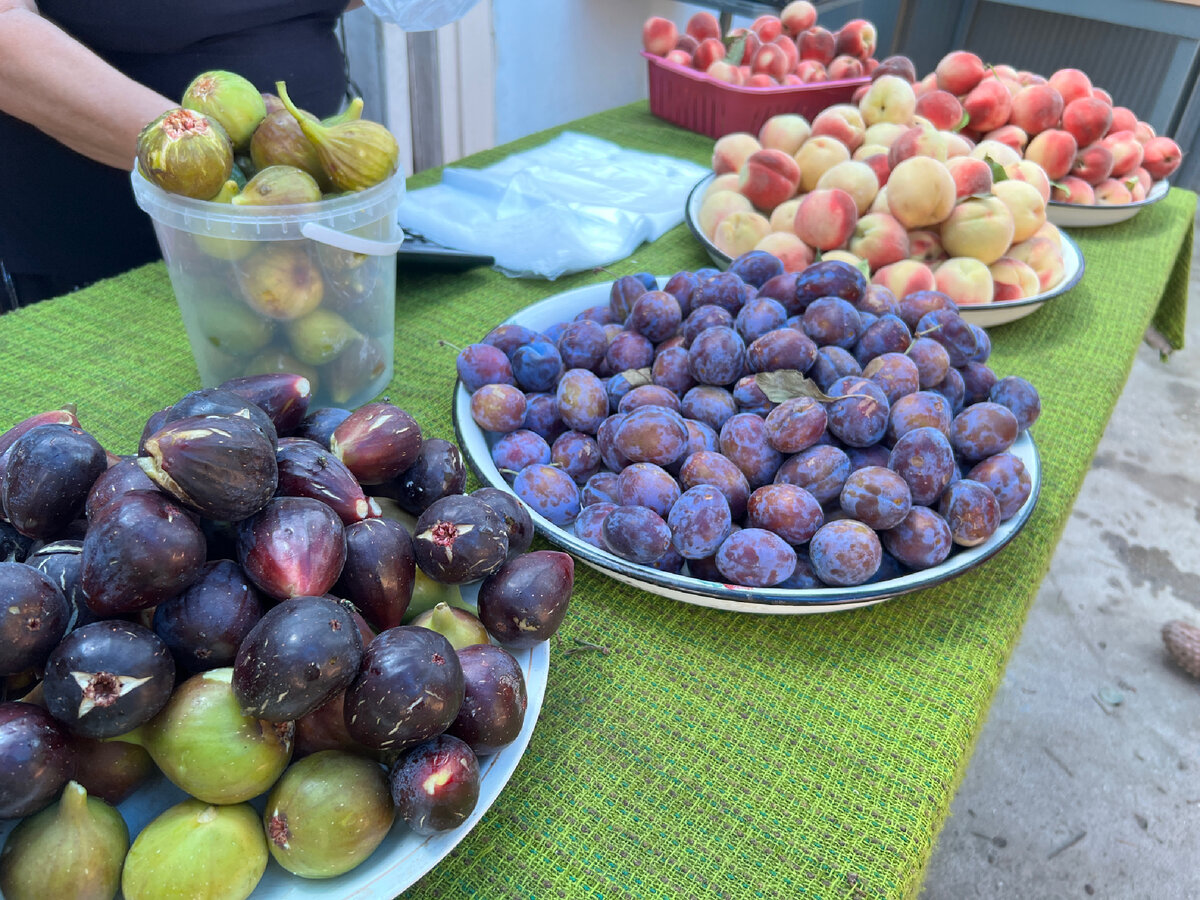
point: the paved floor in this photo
(1086, 778)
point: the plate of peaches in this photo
(1085, 206)
(1020, 278)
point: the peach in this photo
(791, 79)
(957, 144)
(1026, 78)
(783, 217)
(880, 240)
(1031, 172)
(1144, 178)
(995, 151)
(1137, 193)
(889, 99)
(1088, 120)
(702, 26)
(786, 132)
(1050, 232)
(981, 227)
(1123, 119)
(1102, 95)
(942, 109)
(679, 57)
(855, 178)
(798, 16)
(898, 65)
(1127, 152)
(709, 51)
(789, 50)
(1144, 132)
(868, 150)
(883, 134)
(771, 60)
(926, 246)
(1036, 108)
(1025, 204)
(1013, 279)
(1044, 256)
(925, 85)
(724, 71)
(971, 176)
(750, 42)
(1010, 135)
(966, 280)
(905, 277)
(847, 257)
(988, 105)
(826, 218)
(1161, 157)
(810, 70)
(768, 177)
(1111, 192)
(880, 203)
(1054, 150)
(1073, 189)
(1071, 84)
(878, 161)
(920, 140)
(659, 35)
(791, 251)
(739, 232)
(959, 71)
(859, 93)
(819, 153)
(717, 205)
(920, 192)
(767, 27)
(842, 121)
(856, 38)
(731, 151)
(845, 67)
(726, 182)
(817, 43)
(760, 79)
(1005, 71)
(1093, 163)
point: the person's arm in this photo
(56, 84)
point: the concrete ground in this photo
(1086, 778)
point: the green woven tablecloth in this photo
(709, 753)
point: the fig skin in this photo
(460, 539)
(283, 396)
(279, 186)
(380, 571)
(205, 624)
(231, 99)
(377, 442)
(61, 562)
(298, 655)
(319, 425)
(185, 152)
(459, 626)
(515, 515)
(35, 759)
(34, 616)
(141, 550)
(110, 770)
(437, 472)
(294, 546)
(306, 469)
(495, 699)
(328, 813)
(278, 141)
(202, 742)
(48, 472)
(220, 402)
(107, 678)
(281, 282)
(524, 603)
(74, 848)
(116, 481)
(435, 785)
(197, 851)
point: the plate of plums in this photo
(754, 440)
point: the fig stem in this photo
(582, 646)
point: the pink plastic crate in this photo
(692, 100)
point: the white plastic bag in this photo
(420, 15)
(574, 203)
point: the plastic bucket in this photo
(307, 288)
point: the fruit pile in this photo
(787, 49)
(264, 305)
(760, 427)
(1092, 151)
(265, 600)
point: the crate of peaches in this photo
(891, 183)
(715, 83)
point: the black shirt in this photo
(66, 220)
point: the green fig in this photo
(459, 626)
(73, 848)
(355, 154)
(328, 813)
(205, 746)
(279, 185)
(194, 851)
(319, 336)
(229, 325)
(428, 593)
(227, 249)
(352, 377)
(185, 152)
(230, 99)
(281, 281)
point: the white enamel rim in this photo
(984, 315)
(1078, 215)
(404, 856)
(736, 598)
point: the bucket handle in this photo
(351, 243)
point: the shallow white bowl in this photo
(1078, 215)
(984, 315)
(475, 444)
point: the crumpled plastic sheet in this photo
(420, 15)
(573, 203)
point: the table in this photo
(707, 753)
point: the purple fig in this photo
(295, 546)
(281, 395)
(33, 617)
(220, 402)
(35, 759)
(380, 571)
(494, 703)
(377, 442)
(116, 480)
(306, 469)
(460, 539)
(110, 770)
(205, 625)
(48, 472)
(435, 785)
(524, 602)
(437, 472)
(319, 424)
